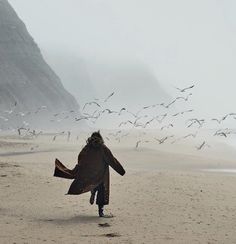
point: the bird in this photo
(177, 98)
(163, 117)
(125, 122)
(109, 97)
(147, 123)
(227, 115)
(122, 109)
(190, 135)
(224, 132)
(194, 121)
(217, 120)
(185, 89)
(81, 118)
(137, 143)
(202, 146)
(183, 112)
(162, 140)
(167, 126)
(109, 111)
(90, 103)
(221, 134)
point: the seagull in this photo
(147, 123)
(190, 135)
(109, 111)
(163, 117)
(90, 103)
(109, 96)
(183, 112)
(184, 89)
(162, 140)
(122, 109)
(167, 126)
(78, 119)
(126, 122)
(227, 115)
(217, 120)
(194, 121)
(224, 132)
(137, 143)
(202, 146)
(177, 98)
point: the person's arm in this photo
(112, 161)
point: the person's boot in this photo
(100, 211)
(91, 200)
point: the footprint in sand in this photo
(112, 235)
(104, 225)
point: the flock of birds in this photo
(94, 110)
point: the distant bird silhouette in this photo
(125, 123)
(137, 143)
(90, 103)
(183, 112)
(81, 118)
(163, 117)
(184, 89)
(109, 111)
(223, 132)
(217, 120)
(190, 135)
(167, 126)
(122, 109)
(200, 122)
(148, 123)
(204, 144)
(109, 96)
(162, 140)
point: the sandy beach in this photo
(166, 196)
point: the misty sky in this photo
(181, 41)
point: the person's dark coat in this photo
(92, 170)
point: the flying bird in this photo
(202, 146)
(126, 122)
(183, 112)
(162, 140)
(184, 89)
(167, 126)
(109, 96)
(90, 103)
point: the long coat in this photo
(91, 170)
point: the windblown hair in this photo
(95, 140)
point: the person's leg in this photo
(93, 193)
(100, 199)
(100, 210)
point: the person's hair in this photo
(95, 139)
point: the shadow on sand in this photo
(80, 219)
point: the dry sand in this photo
(165, 196)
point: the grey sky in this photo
(180, 41)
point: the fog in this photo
(178, 42)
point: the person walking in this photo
(91, 173)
